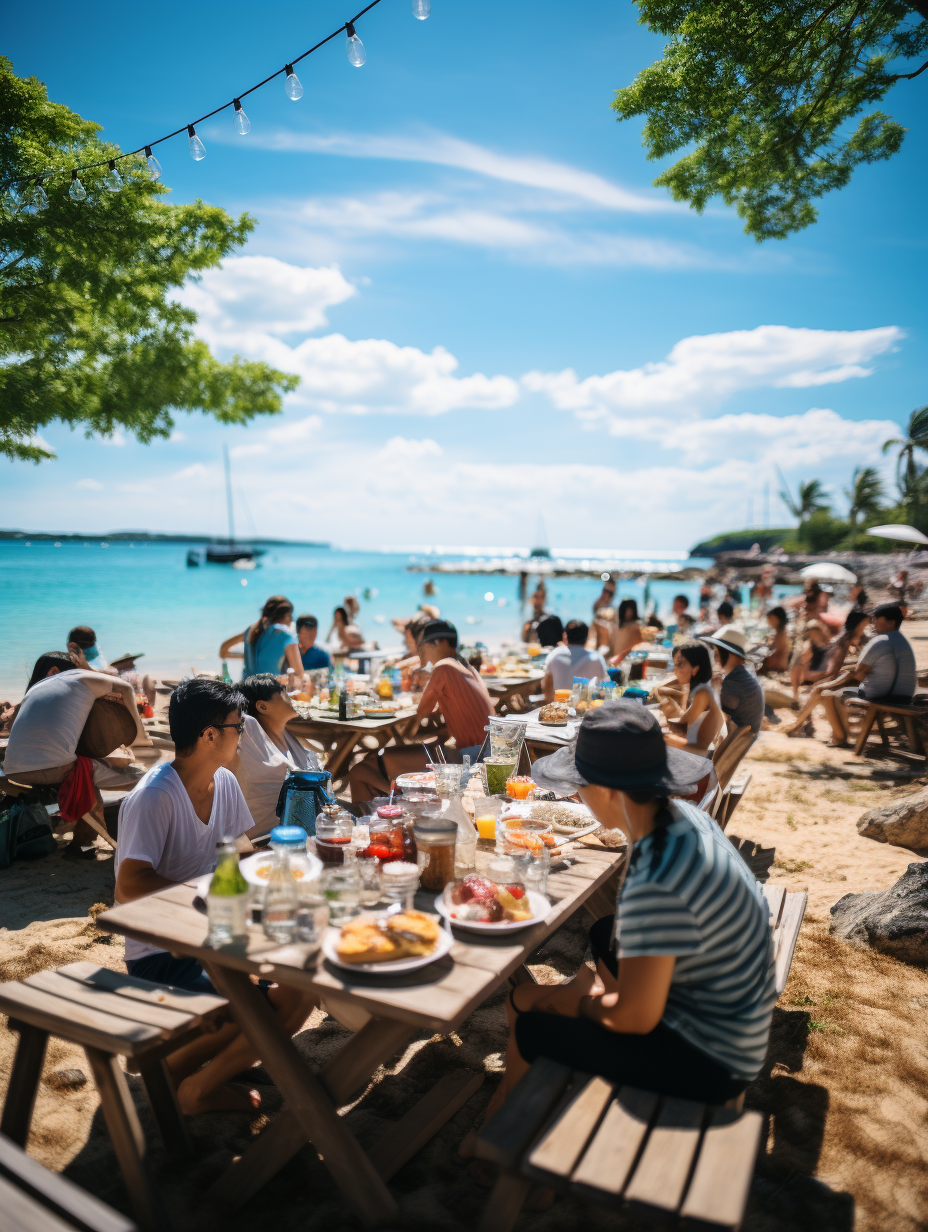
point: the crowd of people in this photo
(653, 1012)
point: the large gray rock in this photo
(904, 823)
(894, 921)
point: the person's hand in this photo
(564, 999)
(113, 697)
(78, 657)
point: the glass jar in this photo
(333, 834)
(436, 837)
(400, 880)
(341, 885)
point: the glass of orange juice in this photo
(562, 695)
(486, 814)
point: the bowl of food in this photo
(480, 905)
(564, 816)
(555, 714)
(257, 868)
(378, 712)
(393, 941)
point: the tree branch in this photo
(909, 76)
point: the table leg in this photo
(24, 1082)
(310, 1104)
(341, 754)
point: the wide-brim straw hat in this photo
(729, 638)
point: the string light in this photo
(421, 8)
(154, 167)
(113, 181)
(293, 86)
(240, 121)
(197, 148)
(356, 53)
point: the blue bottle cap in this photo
(288, 836)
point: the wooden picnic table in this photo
(504, 689)
(337, 739)
(438, 997)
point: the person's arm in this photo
(292, 657)
(137, 879)
(430, 698)
(226, 651)
(117, 689)
(639, 1003)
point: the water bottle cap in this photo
(288, 836)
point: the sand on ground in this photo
(845, 1086)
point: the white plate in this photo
(391, 967)
(539, 904)
(251, 864)
(579, 810)
(424, 779)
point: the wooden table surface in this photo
(438, 997)
(339, 738)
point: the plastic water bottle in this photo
(227, 899)
(281, 898)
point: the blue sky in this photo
(494, 313)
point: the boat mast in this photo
(225, 454)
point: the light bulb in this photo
(77, 191)
(240, 122)
(356, 53)
(112, 180)
(154, 167)
(197, 148)
(37, 200)
(293, 85)
(421, 8)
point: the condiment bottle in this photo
(227, 898)
(436, 836)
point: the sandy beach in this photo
(845, 1085)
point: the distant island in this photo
(148, 536)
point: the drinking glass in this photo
(448, 780)
(506, 737)
(486, 814)
(498, 770)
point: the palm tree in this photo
(907, 468)
(812, 499)
(865, 493)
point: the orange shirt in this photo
(459, 693)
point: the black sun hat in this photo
(620, 745)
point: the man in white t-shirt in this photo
(573, 659)
(168, 831)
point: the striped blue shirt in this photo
(702, 905)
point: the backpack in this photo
(25, 833)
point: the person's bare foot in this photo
(226, 1098)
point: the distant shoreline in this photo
(147, 536)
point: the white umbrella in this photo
(827, 572)
(908, 534)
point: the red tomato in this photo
(516, 891)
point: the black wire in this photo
(50, 175)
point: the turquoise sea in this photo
(143, 597)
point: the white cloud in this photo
(177, 436)
(195, 471)
(295, 432)
(442, 149)
(284, 298)
(91, 485)
(249, 451)
(705, 369)
(116, 438)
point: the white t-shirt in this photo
(262, 769)
(565, 662)
(51, 718)
(157, 824)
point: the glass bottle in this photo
(465, 847)
(225, 673)
(333, 834)
(281, 898)
(227, 898)
(312, 913)
(342, 887)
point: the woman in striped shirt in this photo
(682, 995)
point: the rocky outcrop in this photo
(894, 921)
(904, 823)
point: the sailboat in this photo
(227, 551)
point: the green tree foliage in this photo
(764, 92)
(88, 332)
(908, 471)
(865, 495)
(811, 499)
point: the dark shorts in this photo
(661, 1061)
(186, 973)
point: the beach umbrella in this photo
(827, 572)
(908, 534)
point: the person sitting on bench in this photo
(267, 752)
(683, 992)
(169, 828)
(46, 731)
(885, 672)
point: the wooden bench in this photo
(686, 1163)
(876, 712)
(730, 798)
(35, 1200)
(110, 1015)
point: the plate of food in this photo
(378, 712)
(423, 779)
(387, 943)
(565, 817)
(555, 714)
(479, 905)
